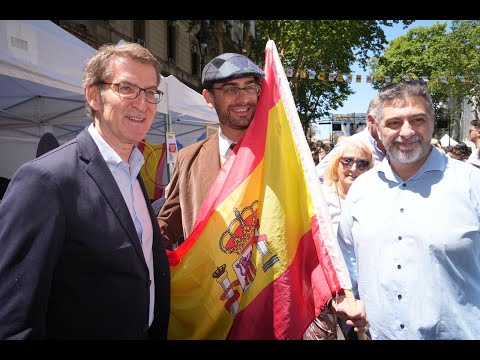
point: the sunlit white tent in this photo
(40, 91)
(446, 141)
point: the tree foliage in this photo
(321, 45)
(434, 52)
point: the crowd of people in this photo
(83, 253)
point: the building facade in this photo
(183, 47)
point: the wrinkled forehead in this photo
(414, 101)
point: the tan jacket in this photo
(194, 172)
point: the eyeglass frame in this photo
(348, 162)
(159, 92)
(239, 89)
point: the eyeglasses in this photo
(348, 163)
(233, 91)
(130, 91)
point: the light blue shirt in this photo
(413, 249)
(125, 175)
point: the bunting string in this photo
(368, 78)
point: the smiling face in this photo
(348, 170)
(235, 111)
(123, 122)
(406, 130)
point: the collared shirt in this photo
(125, 175)
(413, 249)
(224, 146)
(364, 136)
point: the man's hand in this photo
(353, 312)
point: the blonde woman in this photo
(352, 160)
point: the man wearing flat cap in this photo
(231, 85)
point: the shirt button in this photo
(399, 238)
(399, 267)
(149, 282)
(399, 297)
(401, 210)
(404, 184)
(402, 326)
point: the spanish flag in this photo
(262, 260)
(153, 171)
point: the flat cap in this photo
(229, 66)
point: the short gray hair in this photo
(400, 91)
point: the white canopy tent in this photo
(40, 91)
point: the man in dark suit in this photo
(81, 255)
(231, 85)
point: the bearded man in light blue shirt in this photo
(410, 229)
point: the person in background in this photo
(416, 268)
(315, 147)
(81, 255)
(232, 84)
(437, 144)
(474, 134)
(474, 158)
(325, 148)
(353, 159)
(459, 151)
(369, 136)
(341, 138)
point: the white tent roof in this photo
(41, 91)
(446, 141)
(40, 80)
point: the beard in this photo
(411, 155)
(236, 121)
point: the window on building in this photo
(337, 127)
(195, 60)
(171, 46)
(139, 31)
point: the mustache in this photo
(413, 139)
(243, 104)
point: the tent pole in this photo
(169, 128)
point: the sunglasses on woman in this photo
(361, 164)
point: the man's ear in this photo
(370, 119)
(92, 95)
(208, 98)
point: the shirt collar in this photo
(223, 143)
(436, 161)
(136, 159)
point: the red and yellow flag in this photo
(262, 260)
(153, 171)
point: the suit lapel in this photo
(98, 169)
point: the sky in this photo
(364, 92)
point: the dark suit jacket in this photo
(71, 263)
(195, 170)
